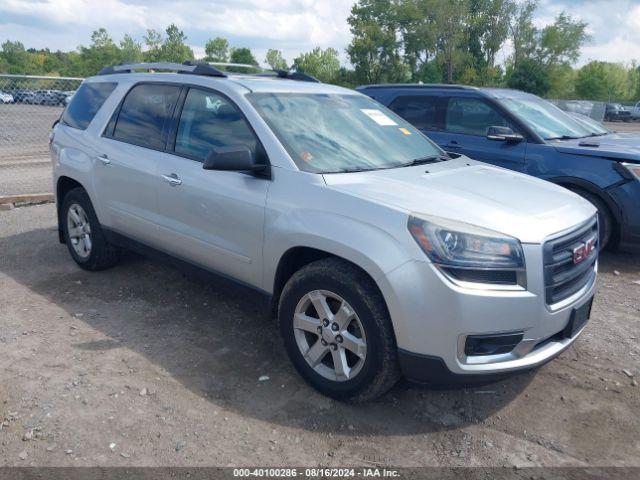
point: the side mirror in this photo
(503, 134)
(235, 159)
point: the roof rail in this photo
(194, 68)
(280, 73)
(300, 76)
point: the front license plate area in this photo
(579, 317)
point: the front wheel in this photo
(606, 222)
(337, 331)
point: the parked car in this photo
(614, 112)
(6, 97)
(379, 253)
(47, 97)
(635, 111)
(22, 95)
(525, 133)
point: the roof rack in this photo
(194, 68)
(280, 73)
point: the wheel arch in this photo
(296, 258)
(573, 184)
(63, 186)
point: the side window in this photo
(145, 114)
(420, 111)
(210, 120)
(85, 103)
(472, 116)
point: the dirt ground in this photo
(140, 365)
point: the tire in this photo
(371, 373)
(606, 222)
(99, 255)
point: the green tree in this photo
(374, 50)
(275, 60)
(449, 21)
(130, 50)
(528, 76)
(319, 63)
(604, 81)
(102, 53)
(522, 32)
(173, 48)
(217, 50)
(153, 40)
(243, 55)
(561, 41)
(416, 25)
(488, 27)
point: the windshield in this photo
(544, 118)
(595, 127)
(327, 133)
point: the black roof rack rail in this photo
(300, 76)
(194, 68)
(280, 73)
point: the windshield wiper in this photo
(424, 161)
(563, 137)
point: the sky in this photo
(292, 26)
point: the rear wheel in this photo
(83, 234)
(337, 331)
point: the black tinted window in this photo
(145, 114)
(210, 120)
(421, 111)
(85, 104)
(472, 116)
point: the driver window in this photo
(471, 116)
(210, 120)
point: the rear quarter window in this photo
(85, 104)
(420, 111)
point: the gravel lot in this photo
(140, 365)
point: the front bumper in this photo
(433, 317)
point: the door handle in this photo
(172, 180)
(104, 159)
(452, 145)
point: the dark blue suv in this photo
(522, 132)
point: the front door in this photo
(465, 131)
(212, 218)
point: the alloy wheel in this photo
(330, 335)
(79, 230)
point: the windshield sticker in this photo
(377, 116)
(405, 131)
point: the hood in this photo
(472, 192)
(618, 146)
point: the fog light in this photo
(491, 344)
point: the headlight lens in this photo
(633, 168)
(459, 245)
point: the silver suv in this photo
(381, 254)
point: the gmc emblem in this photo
(584, 250)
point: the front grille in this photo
(564, 277)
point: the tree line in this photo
(430, 41)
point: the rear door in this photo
(466, 120)
(126, 171)
(212, 218)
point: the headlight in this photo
(469, 253)
(633, 169)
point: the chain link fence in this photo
(28, 107)
(595, 110)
